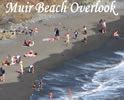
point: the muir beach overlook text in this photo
(75, 7)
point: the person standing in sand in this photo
(84, 29)
(18, 59)
(100, 25)
(31, 69)
(104, 26)
(75, 34)
(30, 32)
(84, 40)
(57, 35)
(21, 67)
(2, 74)
(67, 39)
(35, 31)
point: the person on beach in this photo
(18, 59)
(26, 30)
(84, 32)
(41, 84)
(84, 29)
(21, 67)
(6, 62)
(30, 53)
(2, 74)
(70, 94)
(116, 34)
(9, 59)
(67, 39)
(50, 96)
(30, 32)
(100, 25)
(35, 86)
(13, 60)
(49, 39)
(38, 85)
(57, 35)
(75, 34)
(104, 26)
(35, 30)
(31, 69)
(28, 43)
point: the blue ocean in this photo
(97, 75)
(92, 76)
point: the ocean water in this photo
(93, 76)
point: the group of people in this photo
(103, 29)
(68, 35)
(17, 60)
(28, 31)
(11, 60)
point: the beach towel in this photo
(30, 55)
(50, 39)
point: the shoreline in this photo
(48, 57)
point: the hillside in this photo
(19, 17)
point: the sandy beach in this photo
(51, 54)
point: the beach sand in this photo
(51, 54)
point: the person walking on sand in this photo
(21, 67)
(57, 35)
(84, 29)
(104, 26)
(75, 34)
(100, 25)
(2, 74)
(18, 59)
(9, 58)
(84, 40)
(30, 32)
(31, 69)
(67, 39)
(35, 31)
